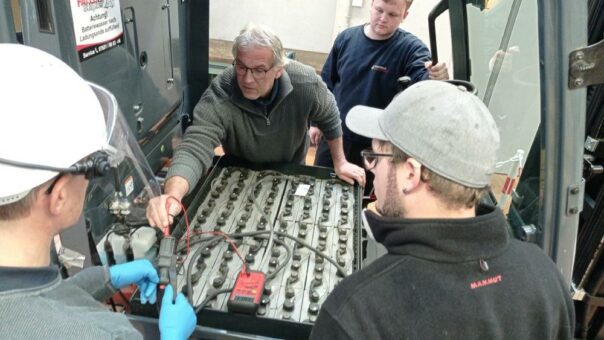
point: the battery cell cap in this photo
(297, 255)
(289, 304)
(313, 308)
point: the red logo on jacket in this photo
(486, 282)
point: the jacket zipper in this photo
(268, 121)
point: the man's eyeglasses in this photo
(257, 72)
(370, 158)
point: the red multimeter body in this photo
(247, 292)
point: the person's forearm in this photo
(336, 149)
(176, 186)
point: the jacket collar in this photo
(444, 240)
(19, 278)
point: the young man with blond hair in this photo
(364, 66)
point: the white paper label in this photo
(97, 25)
(129, 185)
(302, 190)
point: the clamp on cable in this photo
(166, 263)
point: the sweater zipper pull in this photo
(268, 121)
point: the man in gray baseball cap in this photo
(452, 270)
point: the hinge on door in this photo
(528, 233)
(595, 146)
(586, 66)
(590, 168)
(574, 198)
(593, 157)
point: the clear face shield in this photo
(123, 192)
(121, 180)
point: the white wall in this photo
(312, 25)
(300, 24)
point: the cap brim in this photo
(364, 121)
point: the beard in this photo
(392, 205)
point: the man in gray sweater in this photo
(258, 110)
(49, 148)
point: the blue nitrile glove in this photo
(176, 321)
(140, 272)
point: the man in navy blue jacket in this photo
(363, 68)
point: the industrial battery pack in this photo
(295, 227)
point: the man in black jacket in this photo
(452, 270)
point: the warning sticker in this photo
(129, 185)
(97, 25)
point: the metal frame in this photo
(503, 46)
(7, 24)
(196, 42)
(561, 30)
(459, 37)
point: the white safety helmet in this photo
(51, 117)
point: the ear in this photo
(58, 196)
(280, 71)
(405, 14)
(412, 172)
